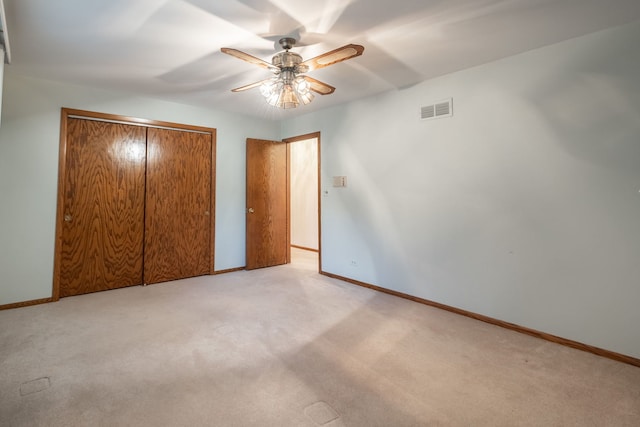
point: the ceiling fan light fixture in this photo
(268, 87)
(286, 91)
(279, 93)
(303, 90)
(271, 90)
(288, 97)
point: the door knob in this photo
(250, 210)
(67, 218)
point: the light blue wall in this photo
(524, 206)
(29, 141)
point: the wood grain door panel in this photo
(267, 229)
(178, 205)
(102, 232)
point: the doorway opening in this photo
(304, 197)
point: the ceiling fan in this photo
(290, 87)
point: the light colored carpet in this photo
(285, 346)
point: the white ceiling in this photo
(170, 49)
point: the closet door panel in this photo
(102, 233)
(178, 205)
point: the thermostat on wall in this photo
(339, 181)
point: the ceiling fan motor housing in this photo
(289, 61)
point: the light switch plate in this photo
(339, 181)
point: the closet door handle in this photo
(250, 210)
(67, 218)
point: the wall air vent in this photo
(438, 110)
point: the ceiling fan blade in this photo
(249, 86)
(332, 57)
(249, 58)
(319, 87)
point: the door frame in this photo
(290, 140)
(67, 113)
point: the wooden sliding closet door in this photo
(178, 205)
(102, 234)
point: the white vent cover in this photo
(438, 110)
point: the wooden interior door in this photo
(178, 205)
(267, 230)
(103, 206)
